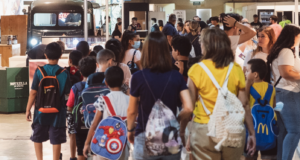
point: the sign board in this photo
(180, 14)
(196, 3)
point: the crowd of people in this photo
(181, 66)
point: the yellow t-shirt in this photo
(208, 91)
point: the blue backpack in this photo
(110, 136)
(89, 96)
(77, 110)
(265, 125)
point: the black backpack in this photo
(132, 66)
(48, 97)
(74, 78)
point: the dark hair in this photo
(62, 45)
(134, 18)
(274, 18)
(115, 46)
(255, 15)
(284, 17)
(166, 133)
(286, 39)
(83, 47)
(160, 23)
(97, 48)
(119, 18)
(104, 55)
(153, 19)
(75, 57)
(172, 18)
(214, 19)
(233, 15)
(53, 51)
(180, 20)
(127, 35)
(87, 66)
(118, 24)
(216, 46)
(114, 76)
(259, 66)
(156, 54)
(180, 24)
(182, 44)
(93, 54)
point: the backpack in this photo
(77, 110)
(89, 96)
(74, 78)
(132, 66)
(110, 136)
(265, 125)
(48, 97)
(226, 124)
(162, 128)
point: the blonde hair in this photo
(272, 39)
(195, 28)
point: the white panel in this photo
(204, 14)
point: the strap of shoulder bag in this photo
(194, 39)
(277, 82)
(224, 89)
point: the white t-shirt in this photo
(119, 102)
(234, 43)
(285, 57)
(258, 55)
(129, 54)
(127, 73)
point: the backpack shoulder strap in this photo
(227, 76)
(255, 94)
(269, 93)
(210, 75)
(43, 71)
(59, 71)
(109, 106)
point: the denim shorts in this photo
(41, 133)
(140, 153)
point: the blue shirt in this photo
(157, 82)
(52, 119)
(170, 30)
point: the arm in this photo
(138, 63)
(186, 112)
(251, 146)
(132, 113)
(170, 39)
(288, 73)
(31, 99)
(91, 133)
(193, 91)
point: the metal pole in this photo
(122, 2)
(85, 21)
(106, 20)
(297, 23)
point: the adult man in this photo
(73, 19)
(154, 25)
(256, 24)
(276, 27)
(214, 22)
(284, 21)
(135, 25)
(169, 29)
(119, 20)
(104, 25)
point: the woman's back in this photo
(206, 88)
(129, 55)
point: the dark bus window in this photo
(69, 19)
(44, 19)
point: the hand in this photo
(130, 137)
(180, 64)
(229, 21)
(86, 150)
(188, 145)
(182, 136)
(28, 116)
(251, 146)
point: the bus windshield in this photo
(44, 19)
(69, 19)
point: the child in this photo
(113, 79)
(181, 48)
(87, 66)
(256, 71)
(74, 58)
(47, 126)
(84, 48)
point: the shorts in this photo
(40, 133)
(80, 140)
(71, 124)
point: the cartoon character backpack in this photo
(110, 136)
(162, 128)
(48, 97)
(89, 96)
(265, 125)
(77, 110)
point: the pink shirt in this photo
(277, 29)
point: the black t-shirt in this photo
(96, 78)
(185, 69)
(195, 43)
(256, 25)
(116, 33)
(202, 25)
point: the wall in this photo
(11, 7)
(204, 14)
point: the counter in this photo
(8, 51)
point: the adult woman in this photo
(266, 39)
(186, 28)
(130, 45)
(161, 25)
(115, 46)
(179, 27)
(194, 37)
(217, 57)
(156, 80)
(285, 69)
(117, 32)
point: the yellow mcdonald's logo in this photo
(263, 127)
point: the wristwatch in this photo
(132, 130)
